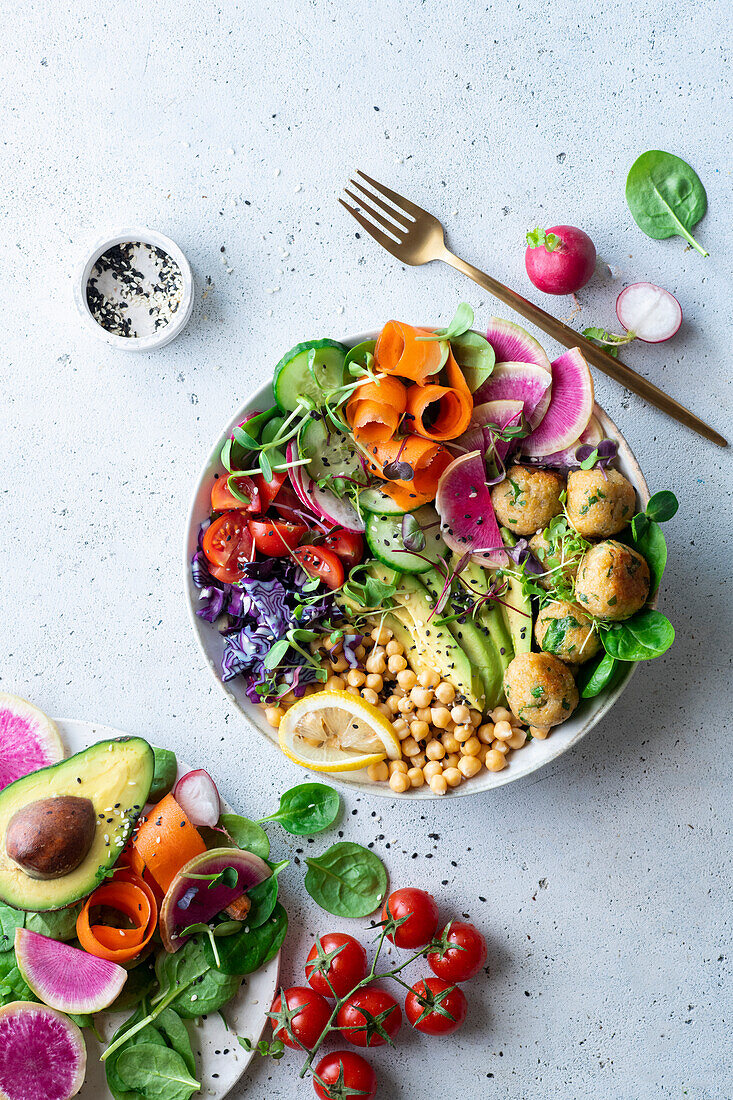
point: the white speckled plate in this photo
(533, 756)
(220, 1060)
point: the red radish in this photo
(512, 344)
(196, 794)
(648, 312)
(559, 260)
(570, 408)
(524, 382)
(338, 512)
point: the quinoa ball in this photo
(527, 499)
(563, 629)
(600, 502)
(613, 581)
(551, 555)
(540, 689)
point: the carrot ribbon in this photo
(399, 352)
(427, 461)
(165, 842)
(129, 895)
(440, 412)
(375, 409)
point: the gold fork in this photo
(416, 237)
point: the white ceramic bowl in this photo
(529, 759)
(163, 335)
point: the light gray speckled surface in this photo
(601, 882)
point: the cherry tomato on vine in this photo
(274, 537)
(300, 1022)
(345, 969)
(344, 1074)
(227, 543)
(361, 1016)
(460, 962)
(223, 500)
(321, 563)
(435, 1007)
(422, 916)
(347, 545)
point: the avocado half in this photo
(115, 776)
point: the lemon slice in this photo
(335, 731)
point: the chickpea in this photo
(501, 746)
(370, 696)
(537, 733)
(419, 761)
(399, 782)
(379, 773)
(476, 718)
(419, 730)
(438, 784)
(410, 747)
(384, 709)
(274, 716)
(434, 750)
(450, 760)
(355, 678)
(440, 717)
(381, 635)
(423, 714)
(393, 702)
(349, 687)
(406, 706)
(397, 766)
(501, 714)
(360, 652)
(416, 777)
(463, 733)
(433, 767)
(429, 679)
(340, 664)
(375, 663)
(450, 742)
(471, 747)
(452, 777)
(469, 766)
(517, 739)
(374, 681)
(445, 693)
(394, 648)
(288, 700)
(461, 715)
(503, 730)
(495, 760)
(401, 728)
(334, 683)
(406, 679)
(485, 733)
(481, 754)
(421, 696)
(396, 663)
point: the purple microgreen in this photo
(398, 471)
(413, 536)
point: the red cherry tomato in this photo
(268, 490)
(288, 505)
(354, 1017)
(459, 963)
(227, 543)
(347, 545)
(428, 1002)
(345, 969)
(306, 1012)
(344, 1074)
(228, 576)
(422, 916)
(274, 537)
(321, 563)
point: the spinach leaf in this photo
(156, 1073)
(148, 1035)
(648, 539)
(646, 635)
(202, 989)
(249, 949)
(662, 506)
(665, 196)
(164, 774)
(57, 924)
(475, 356)
(13, 986)
(173, 1029)
(307, 808)
(263, 896)
(347, 880)
(246, 834)
(140, 981)
(593, 678)
(10, 919)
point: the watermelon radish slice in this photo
(467, 520)
(42, 1053)
(500, 414)
(196, 901)
(64, 977)
(336, 511)
(513, 345)
(569, 410)
(28, 739)
(516, 381)
(592, 435)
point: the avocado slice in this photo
(436, 645)
(490, 616)
(517, 610)
(115, 776)
(476, 642)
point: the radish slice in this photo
(198, 797)
(512, 344)
(649, 312)
(592, 435)
(28, 739)
(500, 414)
(570, 408)
(336, 511)
(517, 381)
(467, 520)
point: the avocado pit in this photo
(51, 837)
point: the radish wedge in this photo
(516, 381)
(64, 977)
(196, 901)
(593, 435)
(569, 410)
(28, 739)
(648, 312)
(196, 794)
(334, 510)
(513, 345)
(492, 414)
(42, 1053)
(463, 502)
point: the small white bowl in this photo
(163, 335)
(533, 756)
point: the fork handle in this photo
(595, 355)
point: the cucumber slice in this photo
(384, 539)
(378, 503)
(292, 377)
(330, 452)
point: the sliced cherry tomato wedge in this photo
(347, 545)
(274, 537)
(288, 505)
(268, 490)
(321, 563)
(223, 500)
(228, 544)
